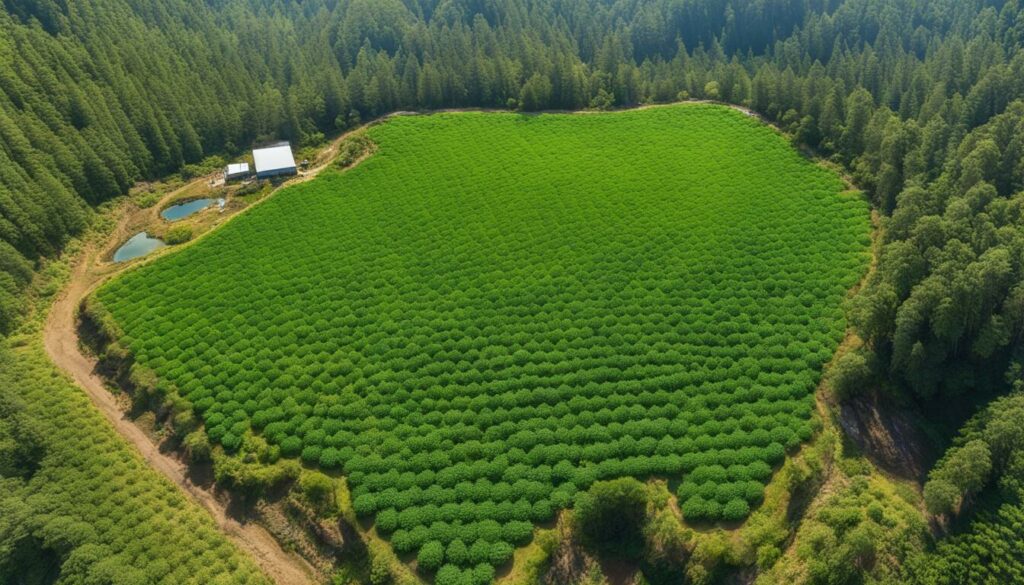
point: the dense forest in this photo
(97, 94)
(921, 100)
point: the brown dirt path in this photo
(61, 340)
(60, 337)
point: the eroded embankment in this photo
(119, 363)
(62, 341)
(62, 345)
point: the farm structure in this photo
(478, 417)
(274, 161)
(234, 172)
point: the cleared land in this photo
(496, 310)
(89, 509)
(62, 346)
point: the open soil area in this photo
(61, 339)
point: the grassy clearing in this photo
(495, 310)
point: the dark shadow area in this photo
(618, 571)
(891, 436)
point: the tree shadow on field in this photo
(618, 571)
(201, 474)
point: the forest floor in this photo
(61, 339)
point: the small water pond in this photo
(140, 245)
(183, 210)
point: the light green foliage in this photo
(251, 479)
(352, 149)
(380, 569)
(81, 503)
(197, 446)
(850, 374)
(319, 490)
(495, 311)
(148, 199)
(711, 90)
(859, 533)
(178, 235)
(431, 555)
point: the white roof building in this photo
(274, 161)
(236, 171)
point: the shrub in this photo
(387, 520)
(480, 552)
(610, 517)
(489, 530)
(402, 541)
(319, 490)
(449, 575)
(197, 446)
(380, 570)
(365, 505)
(431, 555)
(940, 496)
(501, 553)
(231, 442)
(541, 511)
(735, 510)
(517, 532)
(291, 446)
(311, 454)
(483, 574)
(457, 553)
(767, 556)
(850, 374)
(178, 235)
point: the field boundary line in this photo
(62, 344)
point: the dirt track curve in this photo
(61, 340)
(60, 336)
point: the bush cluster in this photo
(178, 235)
(494, 312)
(82, 504)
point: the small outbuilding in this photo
(274, 161)
(236, 171)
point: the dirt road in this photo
(62, 345)
(60, 337)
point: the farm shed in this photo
(274, 161)
(236, 171)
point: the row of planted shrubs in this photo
(490, 314)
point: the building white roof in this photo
(273, 158)
(238, 168)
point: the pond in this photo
(140, 245)
(183, 210)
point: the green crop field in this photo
(496, 310)
(83, 506)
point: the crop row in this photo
(493, 312)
